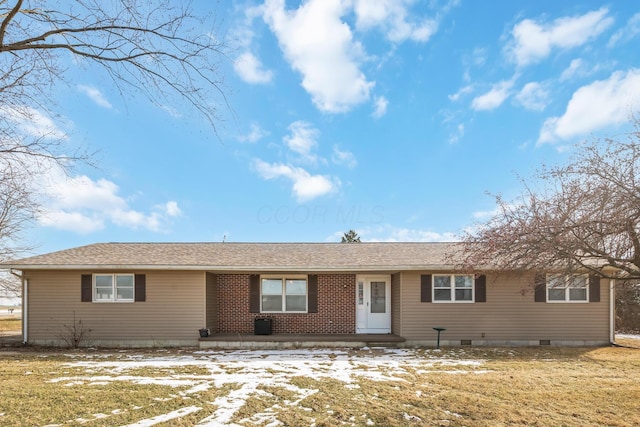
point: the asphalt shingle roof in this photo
(247, 256)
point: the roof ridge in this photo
(265, 243)
(244, 255)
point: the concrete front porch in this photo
(284, 341)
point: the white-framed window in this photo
(113, 287)
(283, 294)
(453, 288)
(567, 288)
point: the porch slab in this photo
(288, 341)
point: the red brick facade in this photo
(336, 307)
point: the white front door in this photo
(373, 304)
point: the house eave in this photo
(235, 268)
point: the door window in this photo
(378, 297)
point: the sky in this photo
(396, 118)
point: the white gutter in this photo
(238, 268)
(612, 310)
(25, 310)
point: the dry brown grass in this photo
(522, 387)
(514, 386)
(628, 342)
(10, 325)
(28, 397)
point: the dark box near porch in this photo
(262, 326)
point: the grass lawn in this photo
(10, 325)
(448, 387)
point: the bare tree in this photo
(582, 216)
(159, 49)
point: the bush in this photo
(75, 334)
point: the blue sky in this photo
(393, 118)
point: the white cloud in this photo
(70, 221)
(346, 158)
(533, 96)
(303, 139)
(321, 47)
(82, 191)
(173, 112)
(462, 91)
(172, 209)
(135, 219)
(251, 70)
(595, 106)
(486, 215)
(82, 205)
(255, 134)
(395, 19)
(247, 65)
(533, 41)
(390, 233)
(628, 32)
(381, 107)
(494, 98)
(305, 186)
(241, 34)
(95, 95)
(479, 56)
(35, 123)
(575, 68)
(457, 135)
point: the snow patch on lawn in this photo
(629, 336)
(166, 417)
(249, 372)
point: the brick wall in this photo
(336, 307)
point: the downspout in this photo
(25, 290)
(612, 311)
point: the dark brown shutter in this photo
(86, 288)
(254, 293)
(312, 302)
(594, 288)
(481, 288)
(425, 288)
(140, 288)
(540, 294)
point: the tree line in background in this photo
(628, 307)
(350, 237)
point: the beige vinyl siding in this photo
(212, 302)
(396, 300)
(508, 315)
(172, 313)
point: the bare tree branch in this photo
(160, 49)
(583, 216)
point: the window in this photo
(113, 288)
(282, 294)
(452, 288)
(561, 288)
